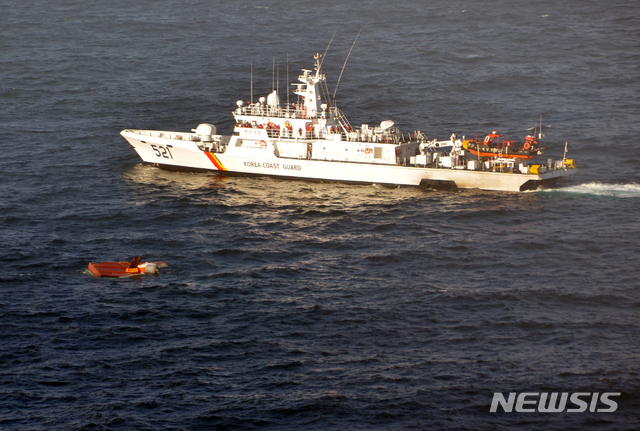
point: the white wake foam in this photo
(602, 189)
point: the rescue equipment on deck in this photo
(494, 145)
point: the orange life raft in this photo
(125, 269)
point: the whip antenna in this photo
(345, 63)
(325, 51)
(323, 86)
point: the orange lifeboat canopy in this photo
(490, 138)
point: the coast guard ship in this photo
(313, 140)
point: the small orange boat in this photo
(495, 145)
(125, 269)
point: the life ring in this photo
(368, 150)
(263, 144)
(487, 139)
(527, 145)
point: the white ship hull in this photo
(182, 154)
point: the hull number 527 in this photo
(162, 151)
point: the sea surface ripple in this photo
(301, 305)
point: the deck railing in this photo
(291, 111)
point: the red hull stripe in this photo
(215, 161)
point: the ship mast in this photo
(308, 89)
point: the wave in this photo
(601, 189)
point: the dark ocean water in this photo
(295, 305)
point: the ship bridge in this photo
(310, 117)
(309, 107)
